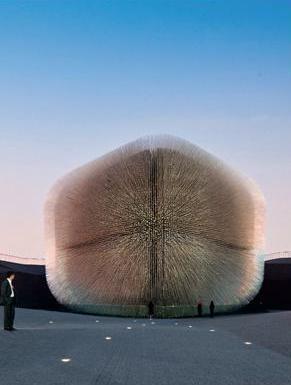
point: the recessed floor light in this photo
(176, 323)
(66, 359)
(129, 327)
(152, 323)
(108, 338)
(248, 343)
(190, 326)
(143, 324)
(212, 330)
(51, 322)
(97, 320)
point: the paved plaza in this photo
(55, 348)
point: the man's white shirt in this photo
(11, 286)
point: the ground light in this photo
(66, 359)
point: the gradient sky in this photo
(79, 78)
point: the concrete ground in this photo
(235, 349)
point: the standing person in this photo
(8, 298)
(199, 308)
(211, 308)
(151, 309)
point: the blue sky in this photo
(79, 78)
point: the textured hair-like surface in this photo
(160, 220)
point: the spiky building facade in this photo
(159, 220)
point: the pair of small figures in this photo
(211, 309)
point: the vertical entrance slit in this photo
(153, 227)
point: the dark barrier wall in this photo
(275, 292)
(30, 286)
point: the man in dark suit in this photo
(8, 299)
